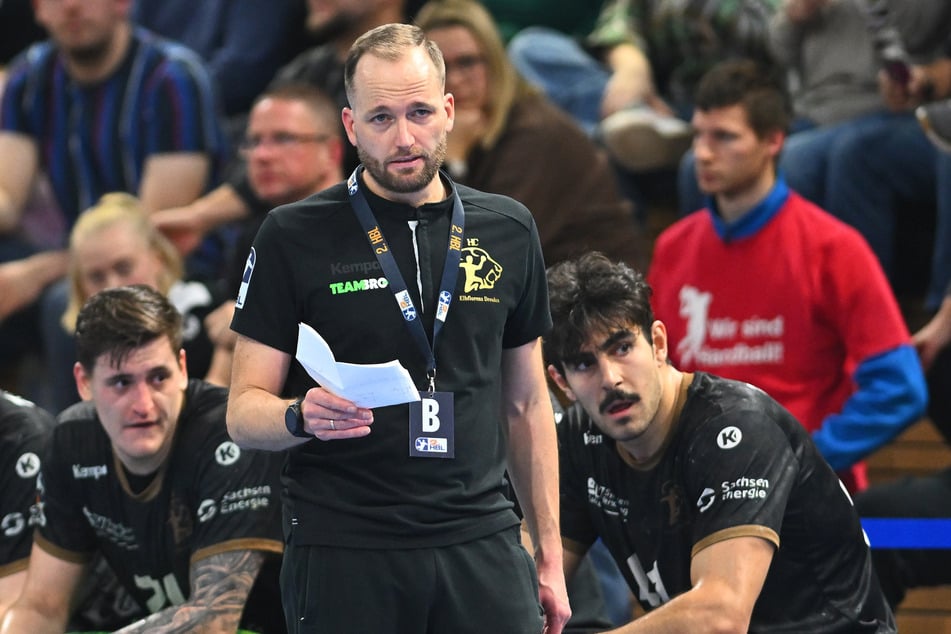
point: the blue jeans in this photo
(876, 173)
(565, 72)
(808, 153)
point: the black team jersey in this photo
(735, 464)
(312, 263)
(24, 430)
(209, 497)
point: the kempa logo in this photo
(364, 268)
(95, 472)
(28, 465)
(227, 453)
(729, 437)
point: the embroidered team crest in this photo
(482, 272)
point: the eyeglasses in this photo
(465, 64)
(281, 140)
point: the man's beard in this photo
(89, 54)
(406, 184)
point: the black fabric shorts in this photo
(487, 585)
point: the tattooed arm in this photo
(219, 588)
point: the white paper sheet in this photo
(367, 385)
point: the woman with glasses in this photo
(509, 139)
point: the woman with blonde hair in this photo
(114, 244)
(508, 139)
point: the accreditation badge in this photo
(432, 426)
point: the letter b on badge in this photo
(430, 413)
(431, 426)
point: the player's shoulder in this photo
(203, 431)
(168, 57)
(32, 60)
(720, 408)
(491, 205)
(819, 224)
(716, 394)
(20, 417)
(204, 409)
(316, 207)
(688, 227)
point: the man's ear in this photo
(449, 103)
(82, 381)
(775, 141)
(346, 116)
(659, 341)
(560, 381)
(183, 365)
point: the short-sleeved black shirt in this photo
(736, 464)
(209, 497)
(312, 263)
(24, 431)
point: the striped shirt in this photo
(95, 138)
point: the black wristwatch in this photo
(294, 420)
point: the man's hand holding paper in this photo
(341, 407)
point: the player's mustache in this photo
(616, 395)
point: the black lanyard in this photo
(395, 280)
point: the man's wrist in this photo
(294, 420)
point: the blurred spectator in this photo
(293, 147)
(100, 107)
(321, 66)
(629, 67)
(242, 43)
(114, 244)
(508, 139)
(763, 286)
(887, 175)
(828, 53)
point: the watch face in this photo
(293, 419)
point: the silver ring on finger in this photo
(332, 425)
